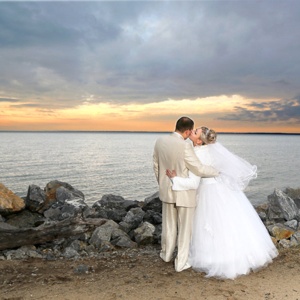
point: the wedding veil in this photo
(235, 172)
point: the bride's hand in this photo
(170, 173)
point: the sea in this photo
(120, 163)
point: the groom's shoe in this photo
(185, 267)
(164, 257)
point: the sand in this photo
(141, 274)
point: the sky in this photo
(233, 66)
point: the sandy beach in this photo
(141, 274)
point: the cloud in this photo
(148, 51)
(282, 110)
(9, 100)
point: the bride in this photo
(228, 238)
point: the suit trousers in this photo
(176, 219)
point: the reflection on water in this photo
(121, 163)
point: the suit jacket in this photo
(174, 153)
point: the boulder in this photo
(144, 234)
(153, 203)
(68, 209)
(132, 219)
(293, 224)
(58, 191)
(70, 253)
(280, 232)
(113, 207)
(294, 194)
(110, 201)
(120, 239)
(23, 253)
(153, 217)
(9, 202)
(103, 234)
(78, 245)
(35, 198)
(281, 206)
(296, 236)
(92, 212)
(65, 201)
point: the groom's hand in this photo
(170, 173)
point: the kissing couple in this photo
(205, 212)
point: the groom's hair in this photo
(183, 124)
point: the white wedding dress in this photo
(228, 238)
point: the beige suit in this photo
(174, 153)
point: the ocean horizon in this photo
(135, 131)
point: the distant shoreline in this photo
(151, 132)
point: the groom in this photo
(173, 153)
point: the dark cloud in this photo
(273, 111)
(145, 51)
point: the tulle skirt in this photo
(228, 238)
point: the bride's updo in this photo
(208, 136)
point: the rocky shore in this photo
(55, 223)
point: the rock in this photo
(262, 207)
(78, 245)
(153, 203)
(114, 207)
(120, 239)
(285, 243)
(60, 191)
(90, 212)
(68, 203)
(117, 202)
(103, 234)
(82, 269)
(280, 232)
(296, 235)
(23, 253)
(132, 219)
(35, 198)
(294, 241)
(153, 217)
(25, 219)
(293, 224)
(105, 246)
(9, 202)
(144, 234)
(116, 215)
(294, 194)
(68, 209)
(282, 206)
(53, 213)
(70, 253)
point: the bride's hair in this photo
(208, 136)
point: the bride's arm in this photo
(183, 184)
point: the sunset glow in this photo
(159, 116)
(138, 66)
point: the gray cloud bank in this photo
(142, 52)
(273, 111)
